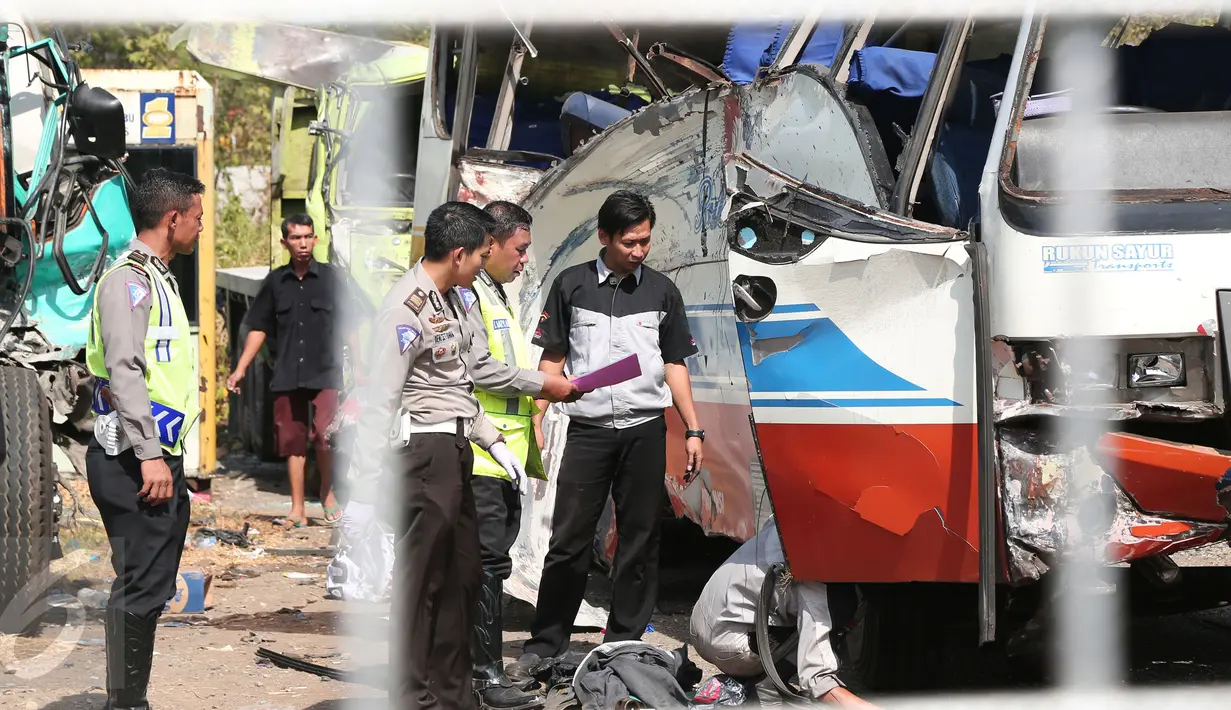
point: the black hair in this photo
(509, 218)
(161, 191)
(455, 225)
(622, 210)
(299, 219)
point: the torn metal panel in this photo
(482, 182)
(764, 347)
(694, 65)
(1010, 409)
(1167, 478)
(1041, 518)
(1039, 377)
(286, 54)
(832, 214)
(799, 123)
(861, 378)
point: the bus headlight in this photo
(1156, 370)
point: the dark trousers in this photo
(499, 509)
(147, 541)
(437, 575)
(630, 465)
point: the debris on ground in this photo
(299, 664)
(720, 690)
(207, 537)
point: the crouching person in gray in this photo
(723, 626)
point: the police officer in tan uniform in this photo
(142, 355)
(416, 421)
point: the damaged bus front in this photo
(1160, 294)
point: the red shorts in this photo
(296, 423)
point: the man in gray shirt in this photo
(416, 420)
(595, 314)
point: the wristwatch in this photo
(698, 433)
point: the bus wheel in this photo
(892, 644)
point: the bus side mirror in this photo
(96, 119)
(753, 297)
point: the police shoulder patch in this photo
(137, 293)
(468, 297)
(416, 301)
(407, 336)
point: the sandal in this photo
(332, 515)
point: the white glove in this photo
(356, 519)
(501, 455)
(110, 435)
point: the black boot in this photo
(130, 653)
(492, 687)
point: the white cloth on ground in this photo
(362, 567)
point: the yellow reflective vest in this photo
(511, 415)
(170, 357)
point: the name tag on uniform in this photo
(445, 353)
(445, 337)
(500, 324)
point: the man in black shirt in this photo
(596, 314)
(309, 307)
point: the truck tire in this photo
(27, 486)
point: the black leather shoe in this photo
(519, 671)
(492, 687)
(130, 653)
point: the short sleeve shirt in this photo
(596, 319)
(306, 321)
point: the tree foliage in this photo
(241, 113)
(241, 116)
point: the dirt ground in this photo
(264, 597)
(260, 598)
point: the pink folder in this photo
(615, 373)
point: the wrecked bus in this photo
(860, 217)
